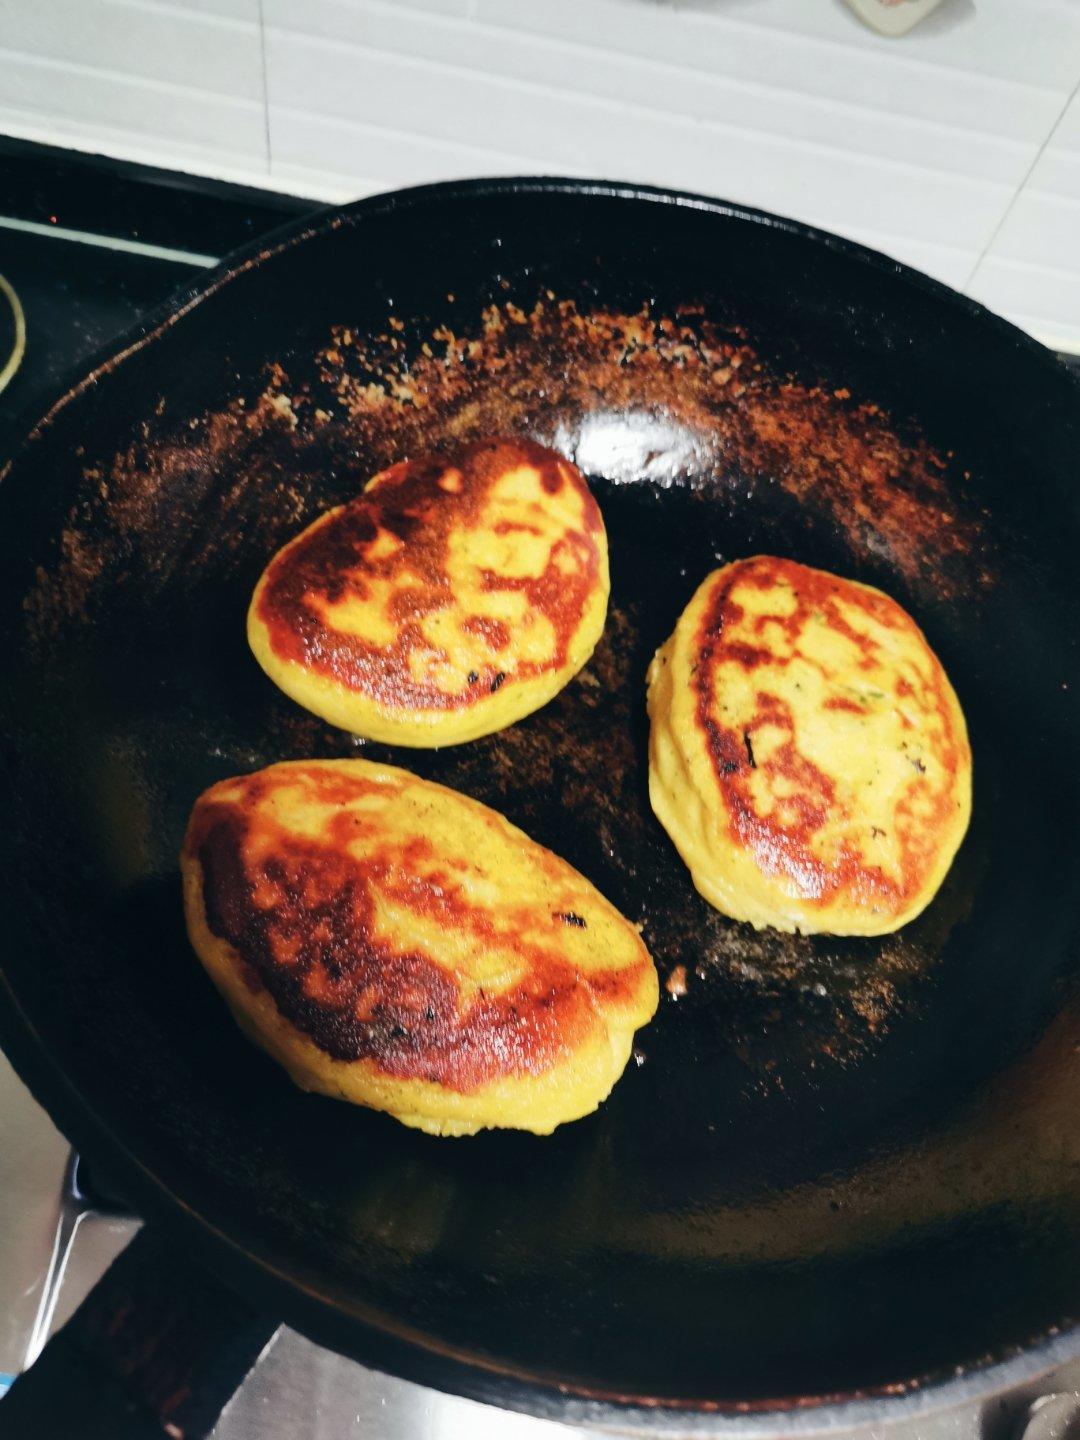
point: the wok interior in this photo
(834, 1164)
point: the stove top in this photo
(90, 246)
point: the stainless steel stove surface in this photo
(90, 246)
(53, 1249)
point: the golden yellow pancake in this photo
(807, 754)
(458, 593)
(396, 944)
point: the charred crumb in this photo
(749, 749)
(918, 764)
(388, 396)
(675, 984)
(569, 917)
(499, 678)
(728, 767)
(473, 677)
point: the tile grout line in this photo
(266, 89)
(1072, 95)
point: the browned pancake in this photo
(459, 592)
(808, 755)
(385, 936)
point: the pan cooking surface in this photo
(833, 1165)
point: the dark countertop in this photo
(77, 295)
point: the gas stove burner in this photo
(16, 324)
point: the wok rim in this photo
(377, 1340)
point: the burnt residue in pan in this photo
(632, 398)
(833, 1164)
(680, 425)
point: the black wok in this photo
(841, 1170)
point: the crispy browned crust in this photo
(783, 840)
(298, 914)
(419, 503)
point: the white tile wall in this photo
(134, 39)
(571, 106)
(956, 149)
(183, 82)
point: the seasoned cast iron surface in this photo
(833, 1164)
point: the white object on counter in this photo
(893, 17)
